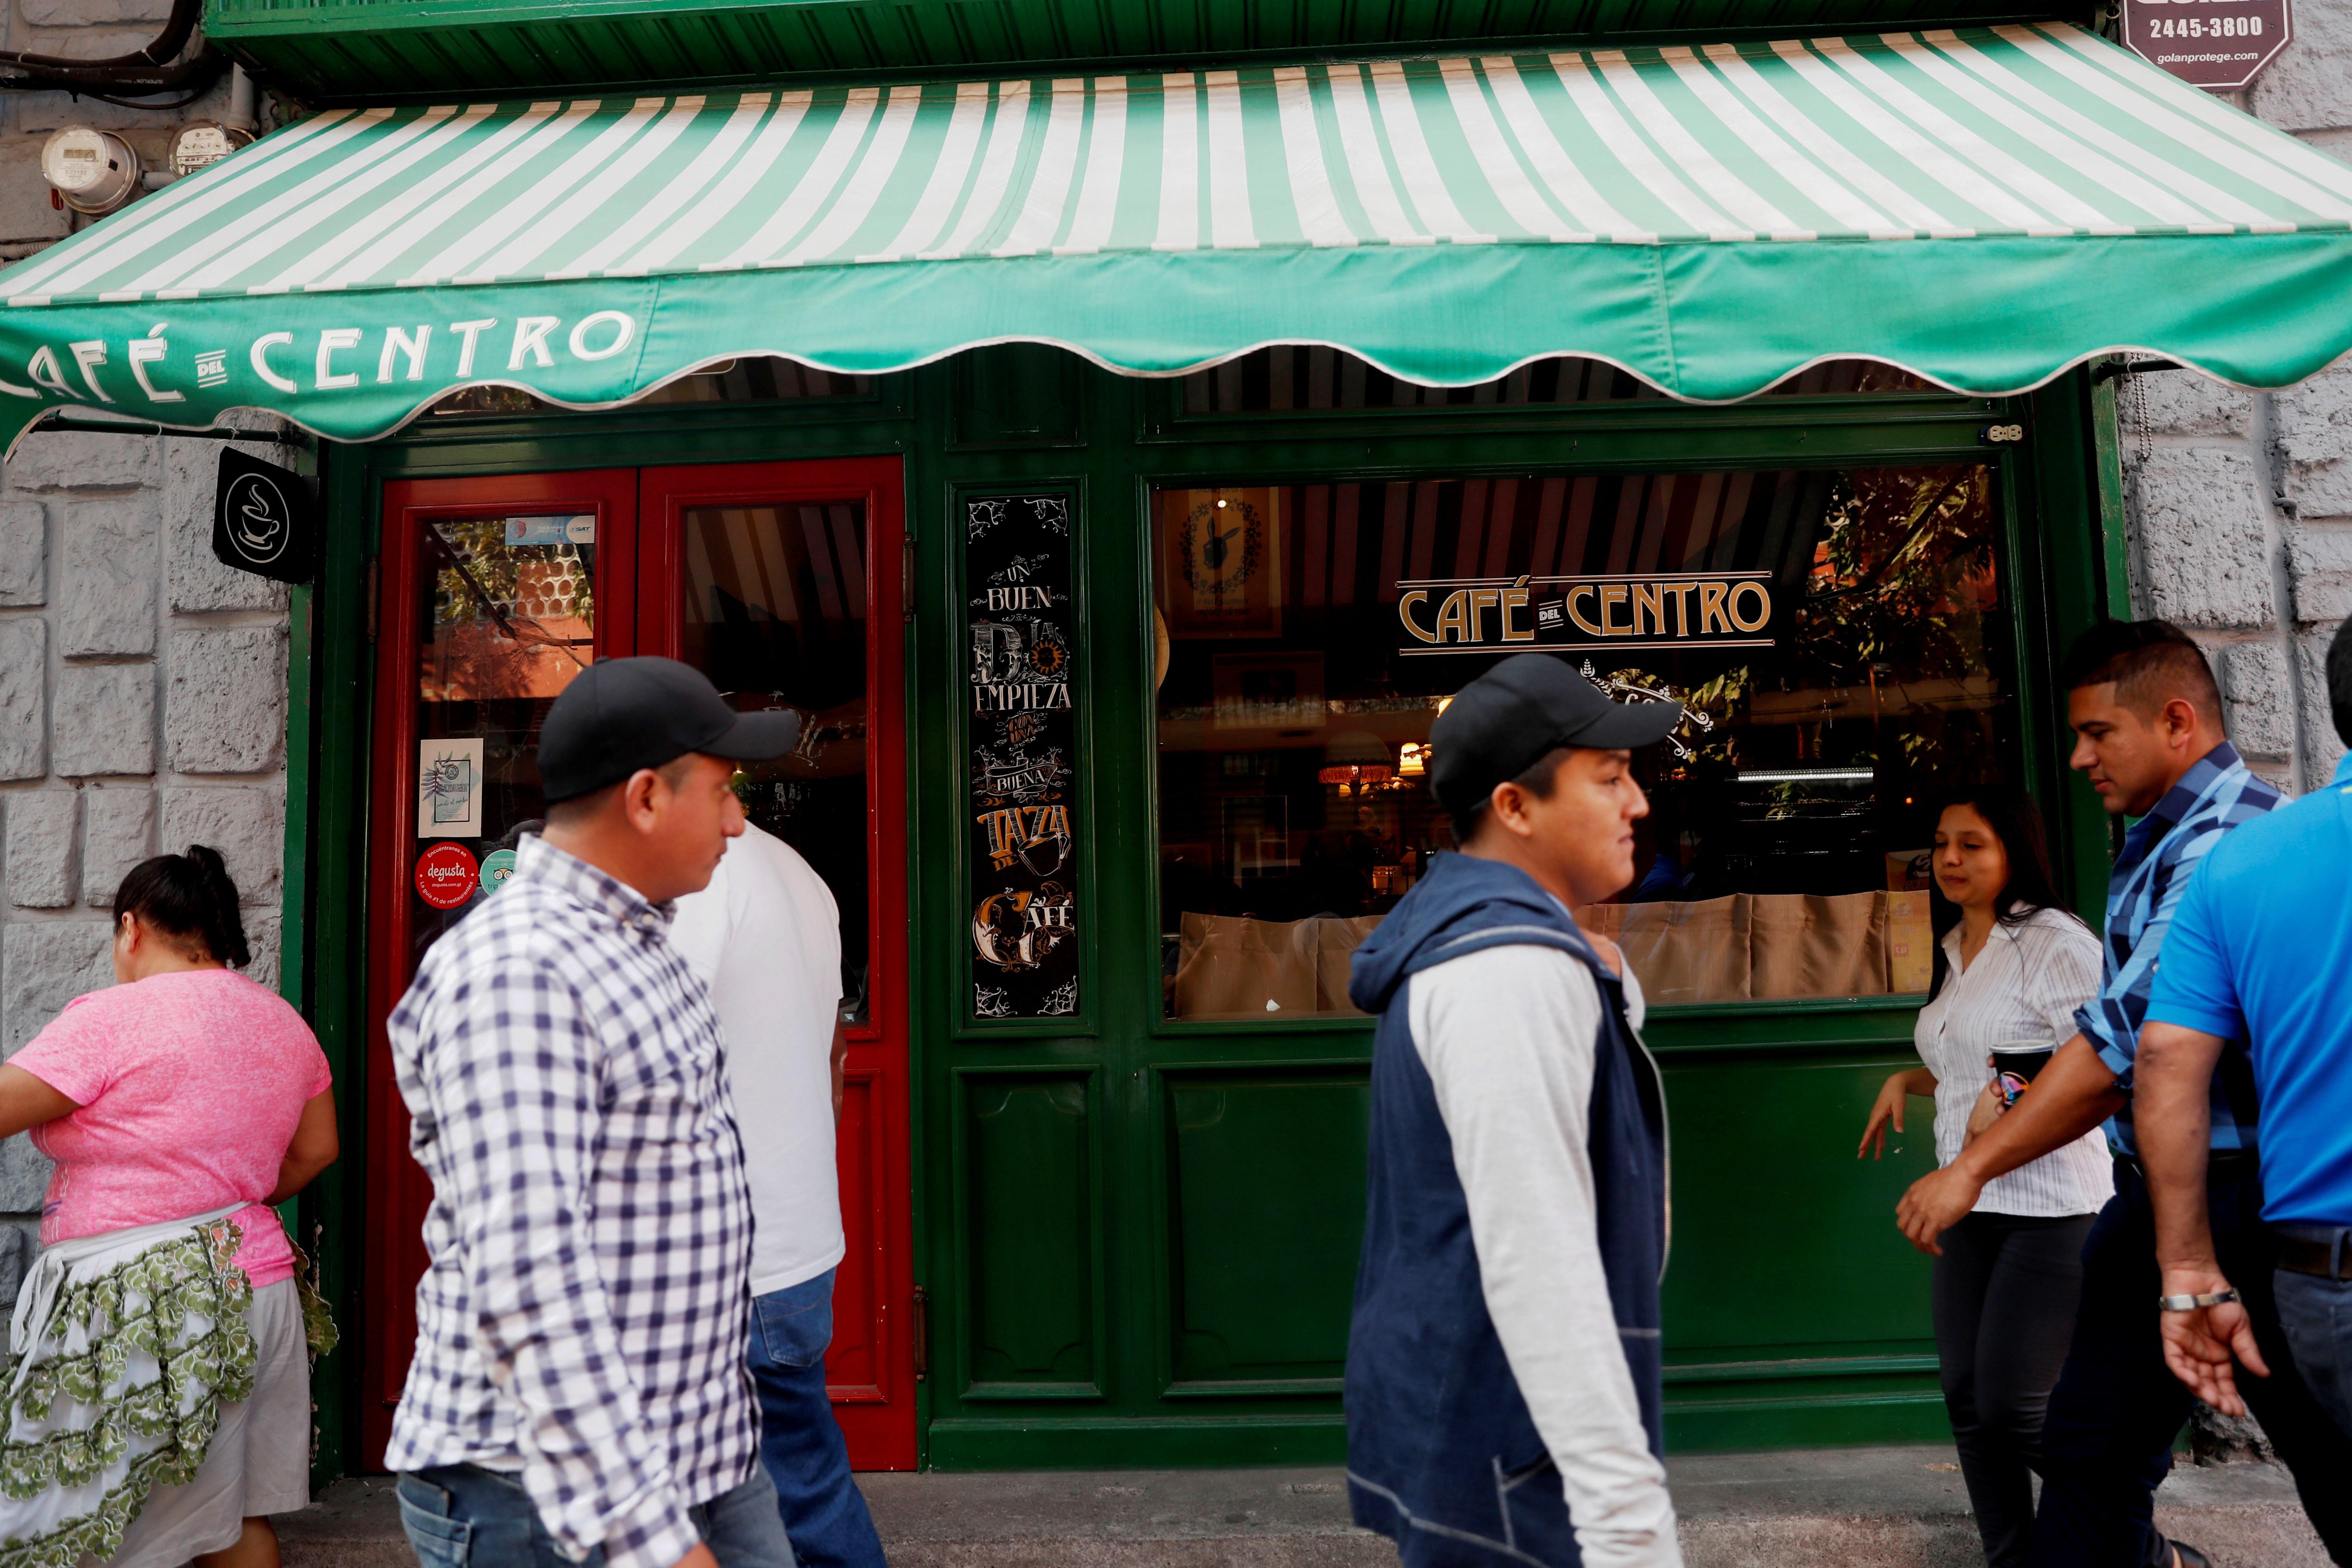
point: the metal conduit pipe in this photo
(142, 73)
(178, 28)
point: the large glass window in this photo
(1837, 636)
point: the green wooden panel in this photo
(385, 48)
(1267, 1204)
(1029, 1221)
(1809, 1264)
(330, 771)
(1018, 395)
(2075, 488)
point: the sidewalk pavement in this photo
(1887, 1508)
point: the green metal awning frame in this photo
(336, 51)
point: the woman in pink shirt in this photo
(184, 1100)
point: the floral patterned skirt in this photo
(124, 1350)
(259, 1459)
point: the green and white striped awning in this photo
(1983, 208)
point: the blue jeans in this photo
(800, 1442)
(458, 1516)
(2317, 1317)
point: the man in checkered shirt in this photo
(579, 1390)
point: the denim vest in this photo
(1442, 1454)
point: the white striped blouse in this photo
(2024, 985)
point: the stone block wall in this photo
(142, 708)
(2239, 507)
(142, 685)
(2240, 504)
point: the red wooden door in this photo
(493, 592)
(781, 581)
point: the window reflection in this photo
(774, 603)
(507, 608)
(1830, 632)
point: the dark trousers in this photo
(2317, 1314)
(2106, 1442)
(2003, 1296)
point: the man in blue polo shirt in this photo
(2260, 956)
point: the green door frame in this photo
(1023, 417)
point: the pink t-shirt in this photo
(190, 1084)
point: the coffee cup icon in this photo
(257, 518)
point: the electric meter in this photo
(203, 143)
(93, 170)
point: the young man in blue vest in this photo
(1504, 1381)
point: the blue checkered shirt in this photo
(2162, 849)
(582, 1321)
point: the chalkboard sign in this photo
(1021, 631)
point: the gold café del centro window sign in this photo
(1656, 610)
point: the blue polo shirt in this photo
(2260, 952)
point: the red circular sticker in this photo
(447, 876)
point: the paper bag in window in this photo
(1815, 945)
(1230, 966)
(1686, 953)
(1335, 941)
(1910, 944)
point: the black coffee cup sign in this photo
(265, 519)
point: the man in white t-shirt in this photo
(766, 937)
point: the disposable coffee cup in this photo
(2017, 1062)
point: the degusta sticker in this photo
(447, 877)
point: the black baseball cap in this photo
(1502, 724)
(622, 714)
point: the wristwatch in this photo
(2191, 1303)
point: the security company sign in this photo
(2218, 45)
(1671, 609)
(265, 519)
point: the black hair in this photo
(2032, 887)
(2339, 680)
(1538, 779)
(2150, 663)
(189, 900)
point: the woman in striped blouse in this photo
(2011, 968)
